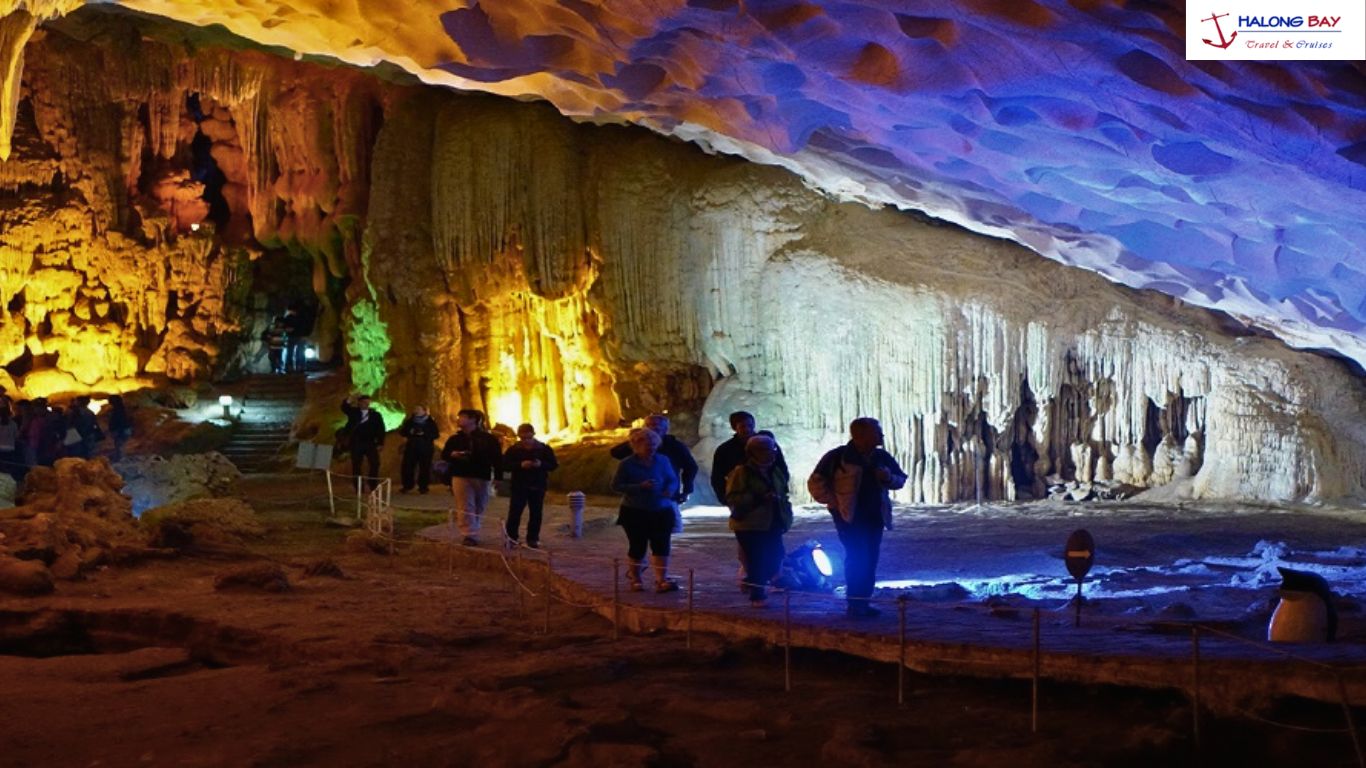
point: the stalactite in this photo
(15, 30)
(508, 193)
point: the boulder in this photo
(263, 577)
(203, 526)
(72, 515)
(154, 481)
(24, 577)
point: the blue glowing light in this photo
(822, 562)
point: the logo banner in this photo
(1275, 30)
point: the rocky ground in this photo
(300, 650)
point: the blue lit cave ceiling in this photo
(1077, 129)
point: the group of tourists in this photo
(35, 433)
(655, 475)
(285, 339)
(471, 459)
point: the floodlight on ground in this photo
(809, 567)
(226, 402)
(310, 353)
(822, 562)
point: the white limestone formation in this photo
(810, 312)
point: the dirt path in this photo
(399, 663)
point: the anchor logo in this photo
(1214, 17)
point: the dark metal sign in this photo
(1080, 553)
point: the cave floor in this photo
(433, 656)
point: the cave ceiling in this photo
(1077, 129)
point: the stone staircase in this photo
(267, 419)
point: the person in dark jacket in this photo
(854, 481)
(366, 429)
(760, 513)
(82, 419)
(120, 424)
(295, 335)
(731, 453)
(648, 484)
(275, 338)
(672, 448)
(528, 463)
(475, 458)
(420, 432)
(11, 462)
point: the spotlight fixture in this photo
(809, 567)
(310, 353)
(226, 402)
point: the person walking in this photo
(528, 463)
(475, 459)
(293, 356)
(365, 428)
(10, 460)
(120, 425)
(275, 338)
(648, 484)
(419, 432)
(82, 419)
(854, 481)
(731, 453)
(671, 448)
(760, 513)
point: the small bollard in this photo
(577, 501)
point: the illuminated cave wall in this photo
(482, 252)
(664, 261)
(144, 177)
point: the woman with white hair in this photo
(648, 483)
(760, 513)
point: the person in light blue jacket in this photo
(648, 484)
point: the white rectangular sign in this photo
(1275, 30)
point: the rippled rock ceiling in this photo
(1076, 128)
(469, 250)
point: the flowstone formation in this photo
(480, 252)
(986, 364)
